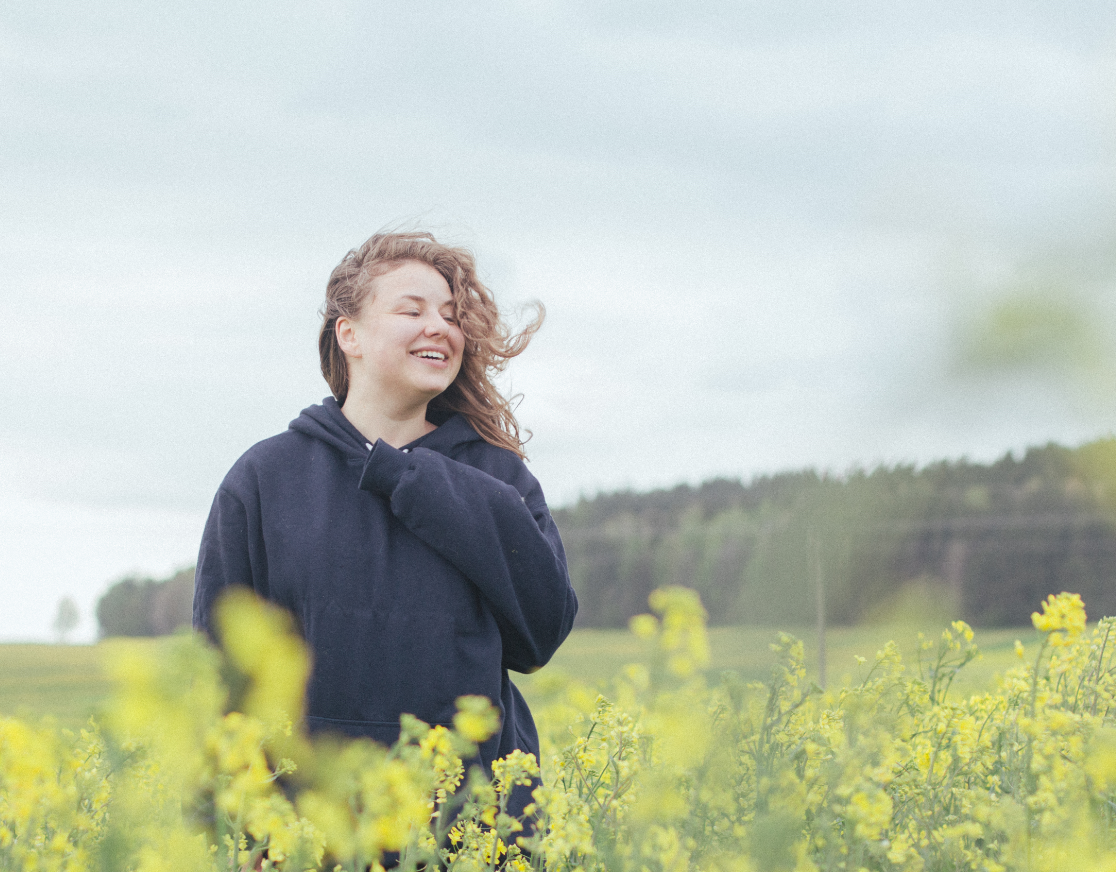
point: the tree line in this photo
(983, 542)
(139, 606)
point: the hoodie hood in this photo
(327, 423)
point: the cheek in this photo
(458, 346)
(389, 333)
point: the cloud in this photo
(740, 217)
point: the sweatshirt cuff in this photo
(383, 469)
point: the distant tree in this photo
(172, 605)
(66, 619)
(137, 606)
(125, 608)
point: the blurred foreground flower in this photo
(667, 770)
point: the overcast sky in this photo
(757, 229)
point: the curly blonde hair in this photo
(489, 342)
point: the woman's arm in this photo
(227, 556)
(496, 529)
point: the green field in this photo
(595, 655)
(66, 681)
(63, 681)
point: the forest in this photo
(952, 539)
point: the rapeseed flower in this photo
(260, 641)
(476, 718)
(1063, 618)
(666, 770)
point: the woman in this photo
(397, 520)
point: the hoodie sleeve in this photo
(496, 530)
(226, 557)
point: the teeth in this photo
(433, 355)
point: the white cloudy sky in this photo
(756, 227)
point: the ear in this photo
(347, 339)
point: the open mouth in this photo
(429, 355)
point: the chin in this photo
(433, 391)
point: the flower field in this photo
(196, 764)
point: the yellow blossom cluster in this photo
(1063, 617)
(894, 773)
(198, 764)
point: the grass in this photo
(66, 682)
(595, 655)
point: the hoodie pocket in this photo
(377, 664)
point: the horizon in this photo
(766, 238)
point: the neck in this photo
(395, 423)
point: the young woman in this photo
(397, 520)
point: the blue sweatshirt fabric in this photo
(416, 575)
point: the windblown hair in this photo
(489, 342)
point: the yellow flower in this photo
(261, 642)
(476, 718)
(1064, 612)
(644, 626)
(1100, 762)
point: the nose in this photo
(436, 325)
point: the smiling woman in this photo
(397, 521)
(401, 351)
(407, 267)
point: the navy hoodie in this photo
(416, 575)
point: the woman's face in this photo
(406, 340)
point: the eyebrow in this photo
(420, 299)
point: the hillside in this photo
(984, 542)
